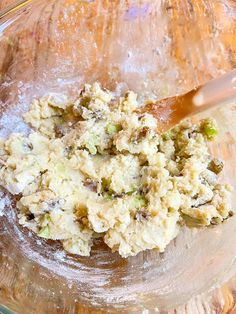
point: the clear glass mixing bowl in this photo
(157, 47)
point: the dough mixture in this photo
(96, 167)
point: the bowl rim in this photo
(5, 310)
(15, 6)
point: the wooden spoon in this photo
(172, 110)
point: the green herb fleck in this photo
(47, 218)
(112, 129)
(208, 128)
(166, 136)
(109, 197)
(131, 192)
(139, 201)
(44, 232)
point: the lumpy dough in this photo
(96, 167)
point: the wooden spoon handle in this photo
(217, 92)
(172, 110)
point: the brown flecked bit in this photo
(60, 131)
(90, 184)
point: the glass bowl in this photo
(156, 47)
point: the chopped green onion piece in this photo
(208, 128)
(109, 197)
(140, 201)
(44, 232)
(166, 136)
(131, 192)
(113, 128)
(47, 218)
(210, 132)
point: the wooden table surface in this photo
(223, 299)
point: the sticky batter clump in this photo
(97, 167)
